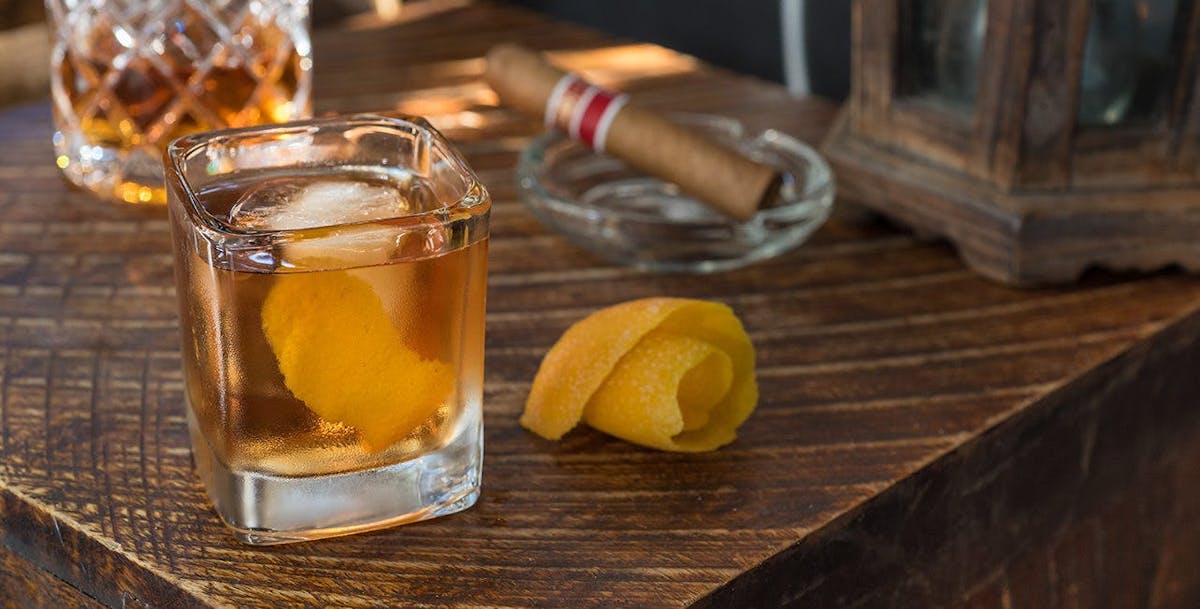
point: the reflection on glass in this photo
(941, 42)
(1128, 62)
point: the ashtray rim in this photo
(802, 210)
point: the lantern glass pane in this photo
(941, 43)
(1129, 62)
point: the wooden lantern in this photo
(1041, 137)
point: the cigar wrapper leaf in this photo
(712, 173)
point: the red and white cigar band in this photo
(583, 111)
(563, 98)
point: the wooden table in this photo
(924, 439)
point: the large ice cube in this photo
(292, 204)
(297, 204)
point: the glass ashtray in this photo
(621, 215)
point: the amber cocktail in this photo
(332, 277)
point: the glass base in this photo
(131, 176)
(266, 509)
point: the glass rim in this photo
(474, 201)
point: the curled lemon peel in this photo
(341, 354)
(667, 373)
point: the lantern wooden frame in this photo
(1026, 195)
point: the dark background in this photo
(742, 35)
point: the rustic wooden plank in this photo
(991, 593)
(23, 585)
(1093, 472)
(885, 367)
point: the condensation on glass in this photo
(940, 47)
(1130, 61)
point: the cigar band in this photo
(583, 111)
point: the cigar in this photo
(705, 169)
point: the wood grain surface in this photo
(25, 585)
(893, 383)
